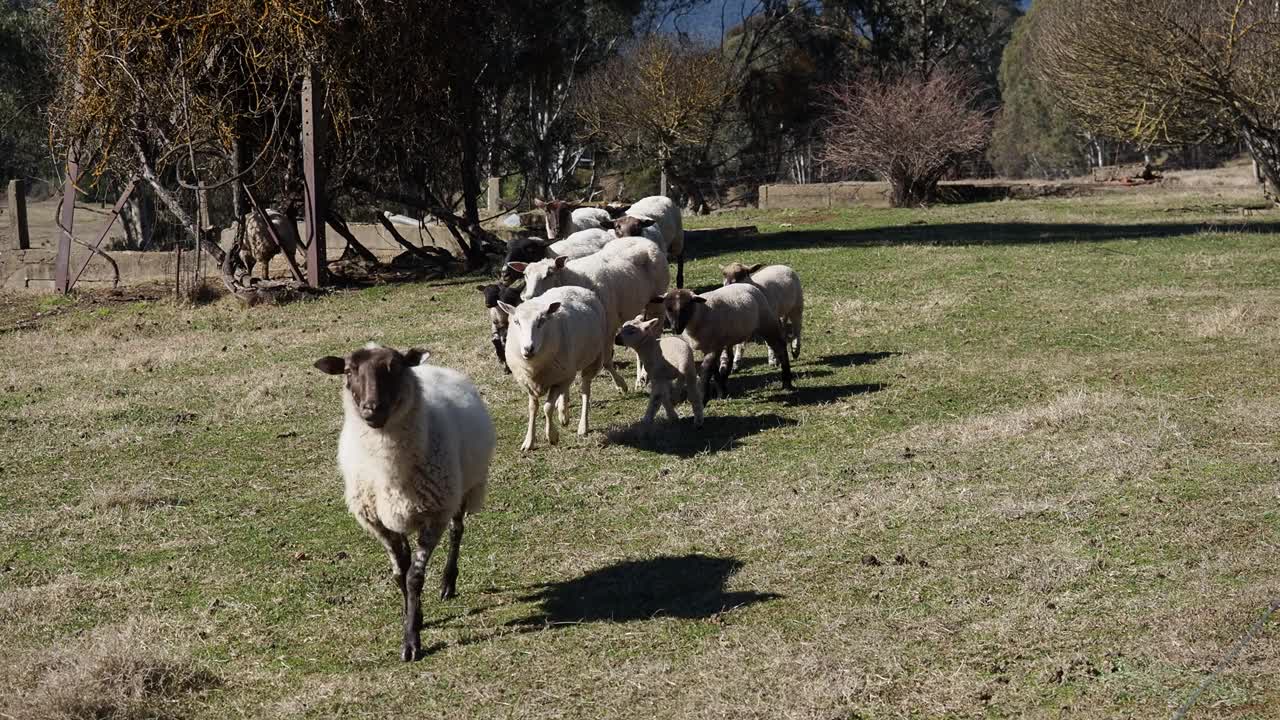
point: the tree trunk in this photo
(471, 186)
(1264, 146)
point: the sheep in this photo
(664, 215)
(669, 363)
(260, 247)
(781, 285)
(563, 332)
(717, 320)
(498, 319)
(565, 218)
(579, 244)
(414, 452)
(625, 274)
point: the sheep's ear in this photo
(330, 365)
(755, 268)
(608, 224)
(416, 356)
(538, 203)
(552, 308)
(652, 327)
(699, 299)
(640, 317)
(506, 309)
(482, 288)
(646, 222)
(518, 266)
(657, 299)
(560, 261)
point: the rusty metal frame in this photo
(115, 213)
(271, 230)
(66, 222)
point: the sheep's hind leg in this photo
(585, 382)
(726, 369)
(449, 580)
(428, 538)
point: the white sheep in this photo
(550, 339)
(258, 245)
(663, 215)
(625, 274)
(565, 218)
(669, 363)
(414, 451)
(782, 286)
(581, 243)
(716, 321)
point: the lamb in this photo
(781, 285)
(668, 361)
(717, 320)
(625, 274)
(498, 319)
(565, 218)
(414, 452)
(663, 214)
(563, 332)
(579, 244)
(258, 245)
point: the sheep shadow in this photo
(741, 384)
(822, 394)
(689, 587)
(854, 359)
(718, 432)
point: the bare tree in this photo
(1169, 71)
(907, 131)
(655, 98)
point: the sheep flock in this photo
(417, 439)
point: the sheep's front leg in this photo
(500, 350)
(669, 406)
(533, 419)
(710, 365)
(428, 538)
(266, 269)
(642, 374)
(449, 580)
(553, 428)
(397, 548)
(695, 401)
(655, 399)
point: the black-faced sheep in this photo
(414, 452)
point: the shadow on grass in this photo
(854, 359)
(951, 234)
(819, 394)
(718, 432)
(688, 586)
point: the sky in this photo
(707, 20)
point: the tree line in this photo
(425, 100)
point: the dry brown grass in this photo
(123, 672)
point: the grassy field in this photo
(1031, 468)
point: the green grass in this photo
(1030, 468)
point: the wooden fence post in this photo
(18, 215)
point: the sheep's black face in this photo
(737, 273)
(374, 377)
(679, 306)
(631, 226)
(523, 250)
(559, 216)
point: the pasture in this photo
(1031, 468)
